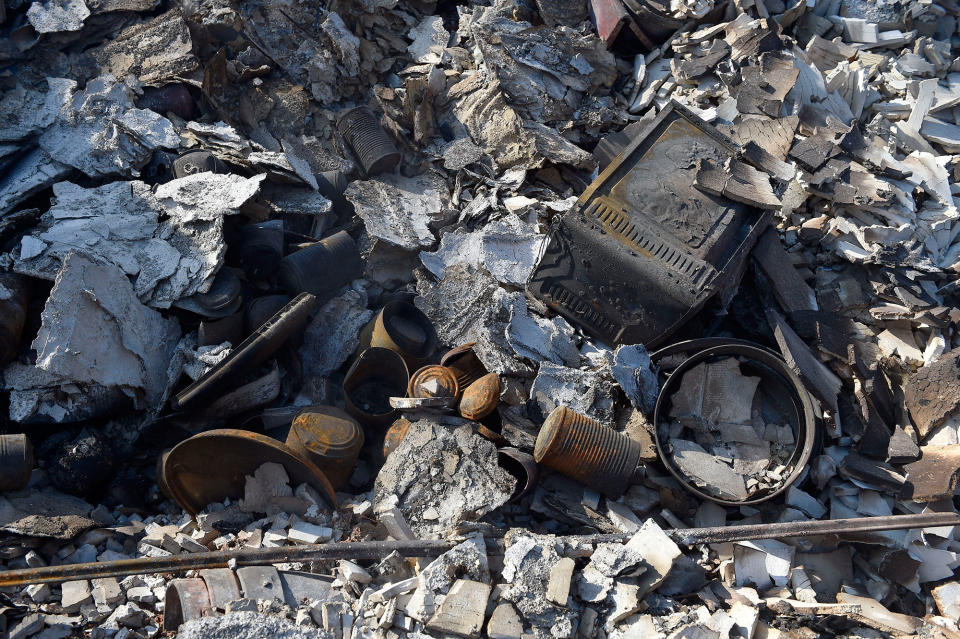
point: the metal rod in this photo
(374, 550)
(857, 525)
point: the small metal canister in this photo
(587, 451)
(404, 329)
(376, 375)
(374, 147)
(481, 397)
(330, 438)
(322, 268)
(433, 381)
(16, 462)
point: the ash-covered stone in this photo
(527, 563)
(445, 467)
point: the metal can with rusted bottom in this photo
(588, 451)
(330, 438)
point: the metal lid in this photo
(326, 431)
(433, 381)
(552, 425)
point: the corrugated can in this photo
(465, 364)
(481, 398)
(433, 381)
(13, 313)
(402, 328)
(323, 268)
(373, 146)
(587, 451)
(330, 438)
(16, 462)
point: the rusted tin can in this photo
(374, 377)
(433, 381)
(185, 600)
(170, 98)
(372, 145)
(404, 329)
(481, 397)
(394, 435)
(16, 462)
(14, 290)
(588, 451)
(465, 364)
(330, 438)
(323, 268)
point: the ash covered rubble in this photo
(526, 319)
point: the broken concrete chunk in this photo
(400, 210)
(504, 623)
(762, 563)
(658, 551)
(448, 469)
(170, 241)
(132, 345)
(707, 471)
(558, 587)
(635, 373)
(583, 391)
(100, 132)
(54, 16)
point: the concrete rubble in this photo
(280, 277)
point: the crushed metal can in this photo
(643, 249)
(481, 398)
(464, 363)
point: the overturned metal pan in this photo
(211, 466)
(803, 418)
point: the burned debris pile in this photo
(552, 318)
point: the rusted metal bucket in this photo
(588, 451)
(376, 375)
(330, 438)
(403, 328)
(776, 377)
